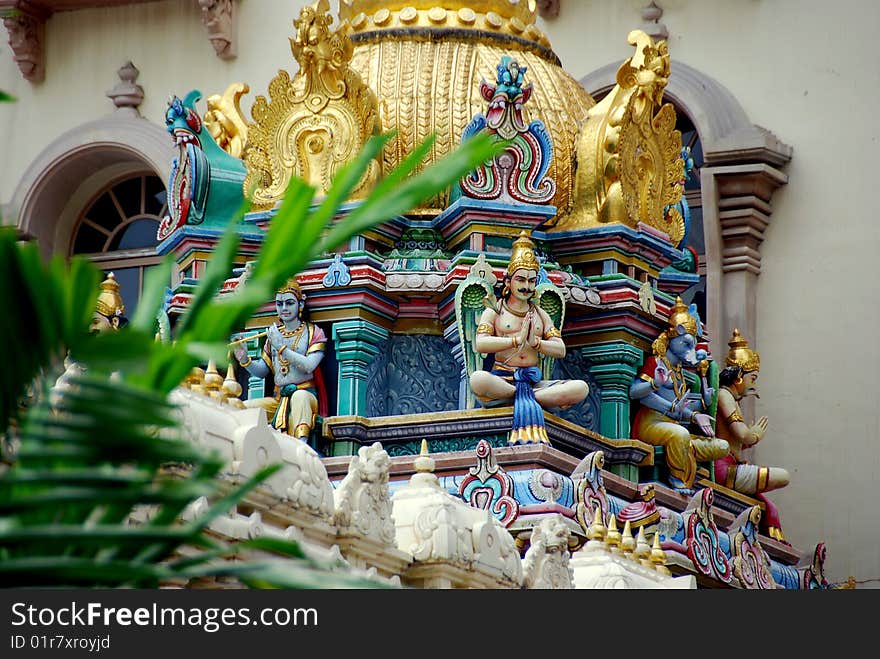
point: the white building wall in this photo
(805, 69)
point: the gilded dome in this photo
(425, 60)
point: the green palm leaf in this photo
(87, 458)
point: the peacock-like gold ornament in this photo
(629, 152)
(315, 122)
(225, 121)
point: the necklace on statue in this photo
(519, 314)
(283, 364)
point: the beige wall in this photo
(803, 69)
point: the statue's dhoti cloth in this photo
(297, 408)
(294, 409)
(682, 449)
(528, 415)
(750, 479)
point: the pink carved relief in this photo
(219, 17)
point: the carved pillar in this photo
(614, 366)
(357, 344)
(219, 17)
(25, 22)
(743, 193)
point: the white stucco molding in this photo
(41, 202)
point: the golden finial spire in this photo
(597, 528)
(231, 389)
(424, 464)
(627, 542)
(643, 549)
(612, 538)
(197, 380)
(213, 381)
(658, 556)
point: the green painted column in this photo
(357, 344)
(614, 365)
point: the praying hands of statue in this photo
(528, 333)
(758, 430)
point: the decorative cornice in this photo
(25, 22)
(744, 194)
(219, 17)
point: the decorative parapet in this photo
(590, 495)
(488, 487)
(453, 544)
(247, 442)
(365, 529)
(610, 559)
(315, 122)
(362, 503)
(702, 539)
(628, 154)
(751, 565)
(219, 17)
(547, 563)
(25, 22)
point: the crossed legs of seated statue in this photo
(667, 408)
(519, 334)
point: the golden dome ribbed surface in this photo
(427, 80)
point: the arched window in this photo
(117, 230)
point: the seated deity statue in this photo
(737, 381)
(109, 309)
(292, 352)
(108, 316)
(667, 408)
(519, 334)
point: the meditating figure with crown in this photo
(520, 334)
(107, 317)
(292, 353)
(667, 407)
(109, 308)
(738, 380)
